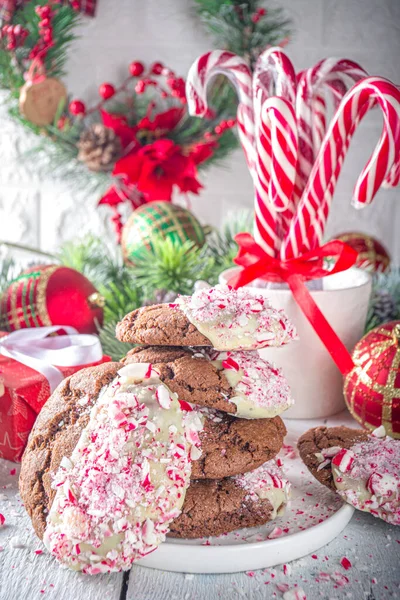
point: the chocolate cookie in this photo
(212, 508)
(240, 383)
(189, 374)
(231, 446)
(55, 434)
(313, 441)
(219, 317)
(362, 468)
(228, 445)
(159, 325)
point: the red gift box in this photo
(23, 392)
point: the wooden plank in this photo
(25, 575)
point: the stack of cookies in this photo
(178, 439)
(204, 348)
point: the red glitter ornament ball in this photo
(136, 68)
(372, 388)
(372, 255)
(77, 107)
(106, 90)
(51, 295)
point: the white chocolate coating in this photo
(127, 477)
(368, 477)
(260, 389)
(236, 319)
(267, 482)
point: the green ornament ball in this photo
(158, 220)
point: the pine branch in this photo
(111, 346)
(8, 272)
(173, 267)
(240, 27)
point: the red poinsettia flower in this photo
(122, 191)
(157, 168)
(163, 122)
(119, 124)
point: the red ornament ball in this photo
(372, 388)
(136, 68)
(157, 68)
(51, 295)
(372, 255)
(106, 90)
(77, 107)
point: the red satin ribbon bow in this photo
(259, 265)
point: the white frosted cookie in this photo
(236, 319)
(126, 479)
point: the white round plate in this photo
(314, 517)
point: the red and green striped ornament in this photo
(159, 220)
(51, 295)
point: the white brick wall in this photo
(40, 212)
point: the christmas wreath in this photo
(137, 143)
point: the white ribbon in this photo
(33, 348)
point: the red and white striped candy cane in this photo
(236, 69)
(274, 91)
(307, 228)
(334, 75)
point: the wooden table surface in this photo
(27, 572)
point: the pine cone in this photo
(384, 306)
(99, 148)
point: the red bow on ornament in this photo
(8, 7)
(257, 264)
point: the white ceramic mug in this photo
(315, 380)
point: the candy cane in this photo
(307, 228)
(274, 90)
(334, 75)
(235, 68)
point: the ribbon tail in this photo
(333, 344)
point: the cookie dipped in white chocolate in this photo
(260, 391)
(368, 477)
(267, 483)
(236, 319)
(126, 478)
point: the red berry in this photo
(106, 90)
(61, 122)
(140, 87)
(218, 130)
(12, 44)
(231, 123)
(77, 107)
(262, 12)
(157, 68)
(17, 30)
(136, 68)
(48, 36)
(43, 11)
(255, 18)
(44, 23)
